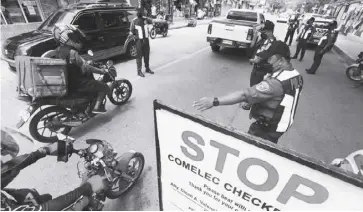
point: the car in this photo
(239, 29)
(283, 18)
(106, 26)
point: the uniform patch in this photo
(263, 87)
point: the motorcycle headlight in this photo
(92, 149)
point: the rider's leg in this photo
(102, 89)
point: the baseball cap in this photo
(269, 25)
(277, 47)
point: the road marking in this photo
(160, 68)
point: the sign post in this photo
(205, 166)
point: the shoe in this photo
(308, 71)
(245, 106)
(99, 108)
(140, 74)
(148, 70)
(294, 57)
(300, 59)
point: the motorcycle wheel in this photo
(42, 116)
(129, 179)
(153, 33)
(165, 33)
(354, 73)
(120, 92)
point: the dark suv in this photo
(106, 26)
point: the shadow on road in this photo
(233, 54)
(100, 120)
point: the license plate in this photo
(227, 42)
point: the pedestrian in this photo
(325, 44)
(259, 70)
(140, 29)
(305, 35)
(293, 25)
(274, 100)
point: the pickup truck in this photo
(239, 29)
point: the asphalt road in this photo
(328, 123)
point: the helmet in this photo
(69, 35)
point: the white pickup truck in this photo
(239, 29)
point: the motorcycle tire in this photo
(118, 88)
(33, 125)
(349, 72)
(165, 33)
(125, 185)
(153, 33)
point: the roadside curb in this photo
(346, 58)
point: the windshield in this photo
(65, 17)
(321, 24)
(242, 16)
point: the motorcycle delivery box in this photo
(40, 77)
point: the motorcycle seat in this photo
(93, 141)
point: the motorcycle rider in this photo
(140, 29)
(80, 73)
(259, 69)
(274, 100)
(27, 199)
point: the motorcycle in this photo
(355, 71)
(160, 27)
(71, 111)
(100, 158)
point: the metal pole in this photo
(4, 18)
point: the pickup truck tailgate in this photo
(230, 31)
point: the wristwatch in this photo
(215, 101)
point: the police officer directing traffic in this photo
(139, 28)
(260, 67)
(305, 35)
(293, 25)
(274, 100)
(325, 44)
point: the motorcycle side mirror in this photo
(109, 63)
(90, 52)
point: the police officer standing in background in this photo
(293, 25)
(274, 100)
(305, 35)
(325, 44)
(140, 29)
(261, 69)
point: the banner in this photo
(204, 166)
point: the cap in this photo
(277, 47)
(269, 25)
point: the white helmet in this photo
(69, 35)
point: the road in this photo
(328, 123)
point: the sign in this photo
(31, 10)
(205, 166)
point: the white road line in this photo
(160, 68)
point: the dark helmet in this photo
(69, 35)
(277, 48)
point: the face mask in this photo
(264, 35)
(268, 67)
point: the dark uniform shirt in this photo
(275, 99)
(307, 32)
(327, 41)
(293, 25)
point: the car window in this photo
(59, 17)
(242, 16)
(86, 22)
(110, 19)
(130, 15)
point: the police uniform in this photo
(304, 36)
(274, 101)
(140, 28)
(259, 70)
(291, 31)
(324, 45)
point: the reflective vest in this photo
(292, 83)
(324, 40)
(305, 33)
(142, 29)
(279, 112)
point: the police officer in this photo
(293, 25)
(274, 100)
(305, 35)
(139, 28)
(325, 44)
(260, 67)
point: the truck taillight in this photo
(210, 29)
(250, 34)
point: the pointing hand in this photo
(204, 103)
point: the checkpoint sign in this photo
(205, 166)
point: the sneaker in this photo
(300, 59)
(148, 70)
(99, 109)
(140, 74)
